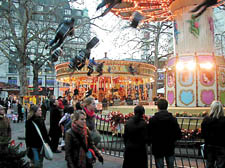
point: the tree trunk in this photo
(156, 61)
(23, 82)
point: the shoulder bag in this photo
(47, 150)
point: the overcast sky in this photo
(109, 22)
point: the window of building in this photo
(49, 69)
(40, 17)
(67, 12)
(16, 4)
(39, 81)
(40, 8)
(12, 68)
(79, 13)
(50, 81)
(28, 81)
(66, 84)
(12, 80)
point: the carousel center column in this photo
(186, 83)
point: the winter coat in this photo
(163, 131)
(135, 140)
(73, 147)
(55, 116)
(32, 137)
(5, 131)
(90, 121)
(213, 131)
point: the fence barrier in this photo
(187, 150)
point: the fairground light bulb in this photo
(180, 66)
(191, 65)
(206, 65)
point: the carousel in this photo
(194, 74)
(116, 84)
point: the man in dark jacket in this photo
(20, 114)
(135, 140)
(163, 131)
(5, 130)
(55, 131)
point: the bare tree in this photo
(26, 27)
(152, 42)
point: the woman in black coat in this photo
(213, 127)
(55, 131)
(80, 149)
(32, 138)
(135, 140)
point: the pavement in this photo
(18, 134)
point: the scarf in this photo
(89, 113)
(84, 143)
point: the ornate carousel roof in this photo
(112, 68)
(152, 10)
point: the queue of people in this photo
(81, 137)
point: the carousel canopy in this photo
(152, 10)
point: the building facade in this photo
(56, 13)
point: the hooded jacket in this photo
(163, 131)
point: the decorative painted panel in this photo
(186, 97)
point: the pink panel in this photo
(205, 59)
(170, 95)
(207, 96)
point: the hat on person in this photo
(2, 107)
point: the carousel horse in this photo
(65, 28)
(204, 5)
(110, 3)
(90, 66)
(79, 61)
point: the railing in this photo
(187, 151)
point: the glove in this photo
(100, 159)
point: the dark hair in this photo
(139, 110)
(78, 106)
(76, 115)
(162, 104)
(33, 110)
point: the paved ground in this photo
(59, 159)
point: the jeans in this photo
(159, 161)
(37, 158)
(215, 157)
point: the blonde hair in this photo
(33, 110)
(76, 115)
(88, 101)
(216, 110)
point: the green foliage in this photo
(13, 158)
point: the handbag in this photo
(202, 150)
(47, 150)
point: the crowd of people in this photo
(76, 124)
